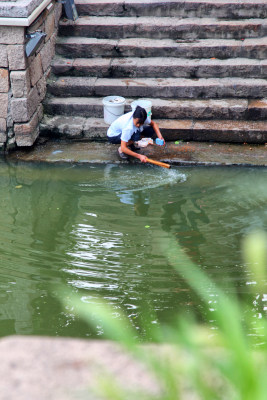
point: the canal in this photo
(104, 231)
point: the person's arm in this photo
(126, 150)
(156, 129)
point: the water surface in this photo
(104, 231)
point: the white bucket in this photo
(146, 104)
(113, 108)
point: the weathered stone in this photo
(230, 131)
(76, 373)
(23, 108)
(2, 130)
(26, 134)
(257, 109)
(27, 140)
(36, 71)
(61, 66)
(184, 153)
(11, 143)
(18, 8)
(11, 133)
(20, 83)
(181, 88)
(263, 65)
(40, 112)
(49, 25)
(47, 74)
(58, 12)
(86, 47)
(41, 87)
(169, 60)
(223, 9)
(12, 35)
(3, 56)
(16, 57)
(72, 86)
(4, 80)
(254, 48)
(174, 8)
(136, 47)
(142, 47)
(63, 126)
(47, 53)
(199, 109)
(100, 67)
(161, 28)
(95, 129)
(127, 67)
(161, 108)
(91, 66)
(116, 7)
(3, 105)
(175, 129)
(160, 67)
(78, 106)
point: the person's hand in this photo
(162, 138)
(142, 158)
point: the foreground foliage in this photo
(225, 359)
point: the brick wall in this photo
(23, 80)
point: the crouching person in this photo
(130, 128)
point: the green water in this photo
(104, 230)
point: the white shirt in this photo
(124, 125)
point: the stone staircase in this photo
(202, 63)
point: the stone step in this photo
(173, 8)
(228, 131)
(141, 47)
(232, 109)
(72, 86)
(160, 67)
(163, 28)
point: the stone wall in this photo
(22, 79)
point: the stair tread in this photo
(228, 8)
(158, 101)
(232, 102)
(177, 123)
(225, 108)
(72, 86)
(163, 42)
(200, 62)
(158, 61)
(119, 67)
(218, 2)
(159, 81)
(162, 21)
(163, 27)
(84, 128)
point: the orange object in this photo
(160, 164)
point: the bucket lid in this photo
(113, 100)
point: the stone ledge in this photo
(182, 153)
(224, 131)
(191, 8)
(18, 8)
(66, 369)
(27, 133)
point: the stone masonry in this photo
(22, 79)
(202, 63)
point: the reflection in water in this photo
(104, 231)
